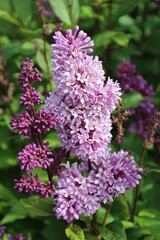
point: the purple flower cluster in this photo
(32, 157)
(32, 124)
(77, 195)
(81, 108)
(81, 101)
(16, 237)
(32, 184)
(2, 231)
(130, 81)
(73, 195)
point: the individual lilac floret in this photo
(73, 197)
(34, 156)
(23, 123)
(81, 101)
(2, 231)
(31, 184)
(44, 121)
(28, 74)
(47, 190)
(114, 175)
(30, 97)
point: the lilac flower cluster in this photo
(16, 237)
(32, 124)
(83, 104)
(130, 81)
(81, 101)
(77, 195)
(81, 108)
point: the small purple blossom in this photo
(44, 121)
(23, 123)
(113, 175)
(34, 156)
(73, 197)
(17, 237)
(28, 74)
(30, 97)
(31, 184)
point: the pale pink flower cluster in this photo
(81, 102)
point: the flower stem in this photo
(94, 224)
(40, 7)
(137, 188)
(107, 213)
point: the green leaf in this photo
(41, 61)
(119, 209)
(127, 224)
(113, 231)
(6, 6)
(5, 16)
(74, 233)
(11, 49)
(104, 38)
(16, 212)
(36, 207)
(61, 10)
(54, 229)
(30, 34)
(101, 212)
(7, 195)
(8, 158)
(74, 10)
(126, 6)
(23, 10)
(132, 99)
(122, 39)
(5, 236)
(52, 139)
(150, 223)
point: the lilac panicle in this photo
(30, 97)
(23, 124)
(72, 196)
(32, 184)
(28, 74)
(34, 156)
(44, 121)
(81, 101)
(28, 125)
(112, 176)
(32, 124)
